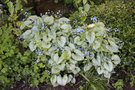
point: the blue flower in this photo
(25, 13)
(77, 30)
(116, 29)
(94, 18)
(35, 28)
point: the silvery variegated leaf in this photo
(26, 34)
(52, 35)
(90, 36)
(32, 46)
(73, 61)
(87, 67)
(62, 41)
(71, 66)
(100, 70)
(107, 74)
(60, 60)
(48, 19)
(92, 55)
(62, 66)
(53, 80)
(65, 55)
(76, 70)
(35, 28)
(96, 45)
(116, 59)
(59, 80)
(96, 62)
(46, 38)
(55, 84)
(91, 25)
(108, 66)
(99, 58)
(63, 20)
(64, 80)
(101, 32)
(69, 54)
(72, 46)
(78, 55)
(54, 70)
(46, 45)
(51, 50)
(70, 77)
(56, 57)
(85, 1)
(33, 18)
(86, 7)
(113, 46)
(78, 41)
(66, 27)
(26, 24)
(73, 80)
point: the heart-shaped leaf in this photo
(90, 36)
(32, 46)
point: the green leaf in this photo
(11, 8)
(77, 1)
(26, 1)
(85, 1)
(86, 7)
(4, 70)
(18, 5)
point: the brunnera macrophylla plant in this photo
(70, 50)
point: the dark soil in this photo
(20, 85)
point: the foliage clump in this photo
(119, 16)
(67, 50)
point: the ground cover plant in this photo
(119, 16)
(56, 50)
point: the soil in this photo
(43, 6)
(20, 85)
